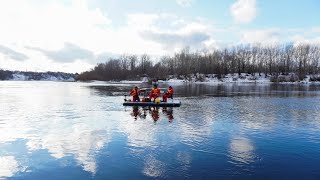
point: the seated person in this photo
(168, 94)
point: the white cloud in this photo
(281, 36)
(72, 37)
(177, 34)
(175, 40)
(49, 26)
(299, 39)
(9, 166)
(243, 11)
(316, 29)
(141, 20)
(211, 44)
(9, 53)
(184, 3)
(267, 36)
(69, 53)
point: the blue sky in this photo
(284, 13)
(74, 35)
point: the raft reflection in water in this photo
(154, 112)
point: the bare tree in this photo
(272, 60)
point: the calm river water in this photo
(60, 130)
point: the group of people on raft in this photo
(154, 93)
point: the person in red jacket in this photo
(135, 94)
(155, 92)
(167, 95)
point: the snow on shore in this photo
(212, 79)
(42, 77)
(231, 78)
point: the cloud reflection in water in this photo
(64, 124)
(153, 167)
(241, 151)
(8, 166)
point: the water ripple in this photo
(218, 132)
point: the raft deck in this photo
(169, 103)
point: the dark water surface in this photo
(52, 130)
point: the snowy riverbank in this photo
(37, 76)
(235, 78)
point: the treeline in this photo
(272, 60)
(5, 75)
(9, 75)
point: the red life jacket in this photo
(155, 91)
(170, 91)
(134, 92)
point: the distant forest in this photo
(252, 59)
(9, 75)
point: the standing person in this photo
(135, 94)
(155, 92)
(168, 94)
